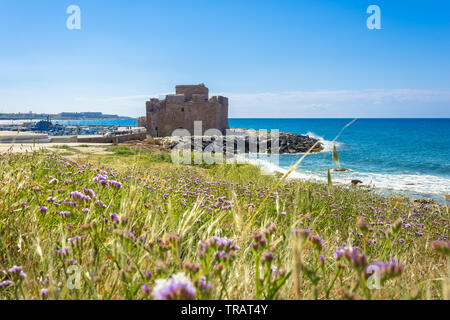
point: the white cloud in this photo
(374, 95)
(337, 103)
(317, 103)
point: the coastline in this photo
(378, 175)
(86, 149)
(406, 156)
(271, 169)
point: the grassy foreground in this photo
(132, 225)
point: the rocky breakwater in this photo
(247, 141)
(295, 143)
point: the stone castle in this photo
(179, 111)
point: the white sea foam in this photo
(267, 166)
(406, 183)
(417, 184)
(327, 145)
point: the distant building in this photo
(179, 111)
(81, 114)
(60, 116)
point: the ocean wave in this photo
(405, 183)
(414, 184)
(267, 166)
(327, 144)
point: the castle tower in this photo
(179, 111)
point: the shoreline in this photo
(383, 190)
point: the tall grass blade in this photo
(335, 156)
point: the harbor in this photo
(46, 131)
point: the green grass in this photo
(125, 151)
(65, 149)
(142, 157)
(165, 210)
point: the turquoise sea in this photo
(104, 122)
(409, 156)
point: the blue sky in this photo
(272, 58)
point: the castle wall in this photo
(190, 90)
(181, 110)
(142, 122)
(224, 113)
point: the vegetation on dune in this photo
(133, 225)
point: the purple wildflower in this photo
(115, 184)
(15, 269)
(75, 239)
(316, 241)
(321, 260)
(268, 257)
(225, 248)
(62, 252)
(102, 179)
(100, 203)
(441, 246)
(145, 288)
(302, 233)
(70, 204)
(43, 209)
(389, 270)
(5, 283)
(148, 275)
(79, 195)
(64, 213)
(353, 255)
(70, 261)
(178, 287)
(89, 192)
(204, 285)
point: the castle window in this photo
(182, 109)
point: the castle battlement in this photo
(179, 111)
(190, 90)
